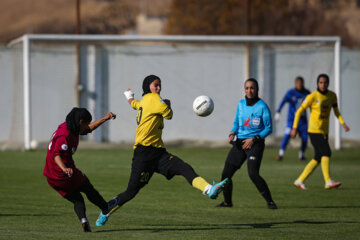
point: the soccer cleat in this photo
(279, 158)
(112, 207)
(302, 158)
(272, 205)
(300, 184)
(86, 227)
(217, 188)
(332, 184)
(102, 219)
(224, 204)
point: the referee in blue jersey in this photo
(294, 97)
(252, 124)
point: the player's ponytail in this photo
(74, 117)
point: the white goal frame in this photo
(28, 38)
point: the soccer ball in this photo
(34, 144)
(203, 106)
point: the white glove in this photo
(277, 116)
(129, 94)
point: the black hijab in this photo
(255, 99)
(74, 117)
(146, 83)
(300, 78)
(318, 79)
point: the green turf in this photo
(30, 209)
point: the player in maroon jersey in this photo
(60, 170)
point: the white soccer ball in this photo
(203, 106)
(34, 144)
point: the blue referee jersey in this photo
(251, 121)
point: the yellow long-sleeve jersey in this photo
(320, 108)
(150, 119)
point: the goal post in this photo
(27, 39)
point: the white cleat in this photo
(332, 184)
(300, 184)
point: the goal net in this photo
(45, 86)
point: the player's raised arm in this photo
(165, 108)
(129, 95)
(97, 123)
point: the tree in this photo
(260, 17)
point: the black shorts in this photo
(321, 145)
(237, 155)
(147, 160)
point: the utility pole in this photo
(248, 32)
(78, 60)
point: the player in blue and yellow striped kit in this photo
(294, 97)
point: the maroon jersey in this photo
(63, 144)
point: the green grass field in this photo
(30, 209)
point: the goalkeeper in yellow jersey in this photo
(320, 103)
(150, 154)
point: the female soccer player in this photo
(320, 103)
(150, 154)
(60, 170)
(251, 126)
(294, 97)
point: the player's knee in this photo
(328, 153)
(131, 193)
(228, 171)
(224, 175)
(317, 156)
(79, 205)
(254, 176)
(185, 169)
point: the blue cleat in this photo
(112, 207)
(102, 219)
(217, 188)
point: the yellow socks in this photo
(325, 167)
(308, 170)
(200, 184)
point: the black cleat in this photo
(272, 205)
(86, 227)
(224, 204)
(279, 158)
